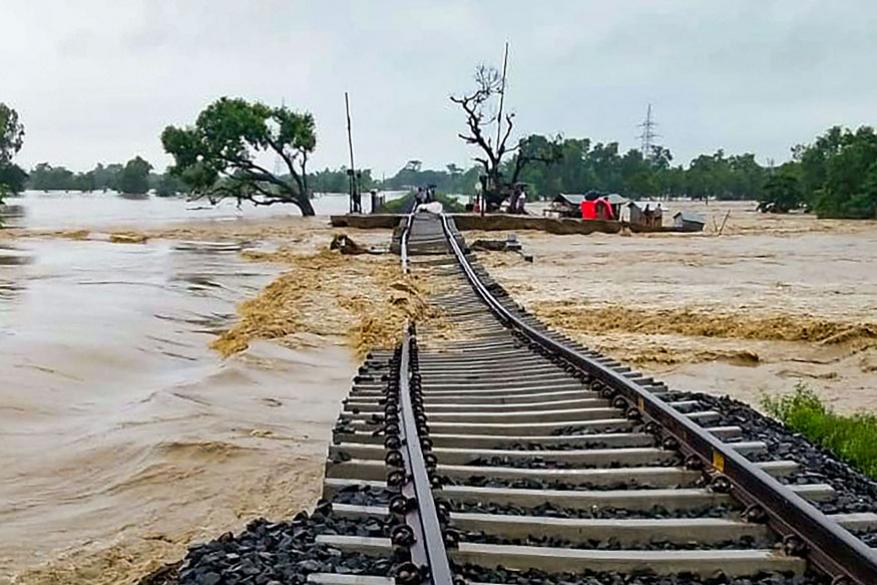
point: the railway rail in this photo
(515, 451)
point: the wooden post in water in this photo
(355, 203)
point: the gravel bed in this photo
(578, 430)
(283, 551)
(855, 491)
(538, 462)
(744, 543)
(364, 495)
(550, 511)
(510, 577)
(527, 483)
(559, 446)
(271, 553)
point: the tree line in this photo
(217, 157)
(135, 177)
(835, 176)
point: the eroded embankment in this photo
(363, 298)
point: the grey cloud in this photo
(98, 80)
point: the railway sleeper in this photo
(706, 563)
(436, 408)
(609, 478)
(617, 439)
(594, 457)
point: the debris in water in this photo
(128, 238)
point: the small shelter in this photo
(645, 216)
(564, 205)
(687, 221)
(570, 204)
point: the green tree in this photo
(217, 157)
(11, 133)
(134, 178)
(781, 192)
(45, 177)
(840, 173)
(11, 140)
(12, 179)
(168, 185)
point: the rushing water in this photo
(122, 435)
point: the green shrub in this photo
(852, 438)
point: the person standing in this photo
(522, 199)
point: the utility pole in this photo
(505, 64)
(355, 203)
(648, 135)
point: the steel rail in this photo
(428, 548)
(403, 242)
(827, 545)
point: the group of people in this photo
(516, 200)
(425, 195)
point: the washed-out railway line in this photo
(510, 454)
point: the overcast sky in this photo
(99, 80)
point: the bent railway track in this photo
(513, 454)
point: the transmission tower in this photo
(648, 135)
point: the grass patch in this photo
(852, 438)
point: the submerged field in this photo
(773, 301)
(146, 405)
(172, 389)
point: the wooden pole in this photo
(353, 187)
(505, 64)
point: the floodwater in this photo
(123, 436)
(57, 210)
(772, 302)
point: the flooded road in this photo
(123, 436)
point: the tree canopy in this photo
(134, 178)
(835, 176)
(218, 157)
(12, 177)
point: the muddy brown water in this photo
(123, 436)
(773, 302)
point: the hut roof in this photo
(569, 198)
(689, 216)
(577, 198)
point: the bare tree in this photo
(480, 116)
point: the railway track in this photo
(544, 456)
(510, 454)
